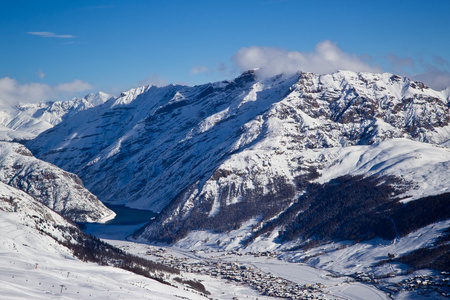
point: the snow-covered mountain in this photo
(60, 190)
(259, 155)
(26, 121)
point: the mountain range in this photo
(288, 163)
(25, 121)
(261, 154)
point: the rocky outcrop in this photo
(59, 190)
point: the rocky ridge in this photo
(59, 190)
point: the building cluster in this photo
(265, 283)
(270, 285)
(422, 284)
(366, 277)
(425, 284)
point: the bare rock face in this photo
(217, 156)
(60, 190)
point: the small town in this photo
(269, 285)
(425, 284)
(265, 283)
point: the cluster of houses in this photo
(270, 285)
(422, 284)
(265, 283)
(425, 284)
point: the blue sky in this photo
(59, 49)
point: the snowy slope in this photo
(26, 121)
(126, 136)
(216, 156)
(36, 266)
(425, 165)
(59, 190)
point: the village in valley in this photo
(265, 283)
(238, 268)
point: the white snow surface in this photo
(216, 145)
(258, 129)
(348, 258)
(425, 165)
(35, 266)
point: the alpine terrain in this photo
(346, 173)
(44, 256)
(287, 162)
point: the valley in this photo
(285, 274)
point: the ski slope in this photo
(35, 266)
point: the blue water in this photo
(129, 216)
(127, 221)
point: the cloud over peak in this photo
(326, 58)
(13, 93)
(73, 87)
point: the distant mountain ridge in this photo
(26, 121)
(221, 156)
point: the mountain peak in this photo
(289, 161)
(97, 98)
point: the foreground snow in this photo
(36, 266)
(60, 276)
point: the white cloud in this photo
(40, 74)
(198, 69)
(326, 58)
(13, 93)
(73, 87)
(434, 77)
(52, 35)
(153, 79)
(434, 72)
